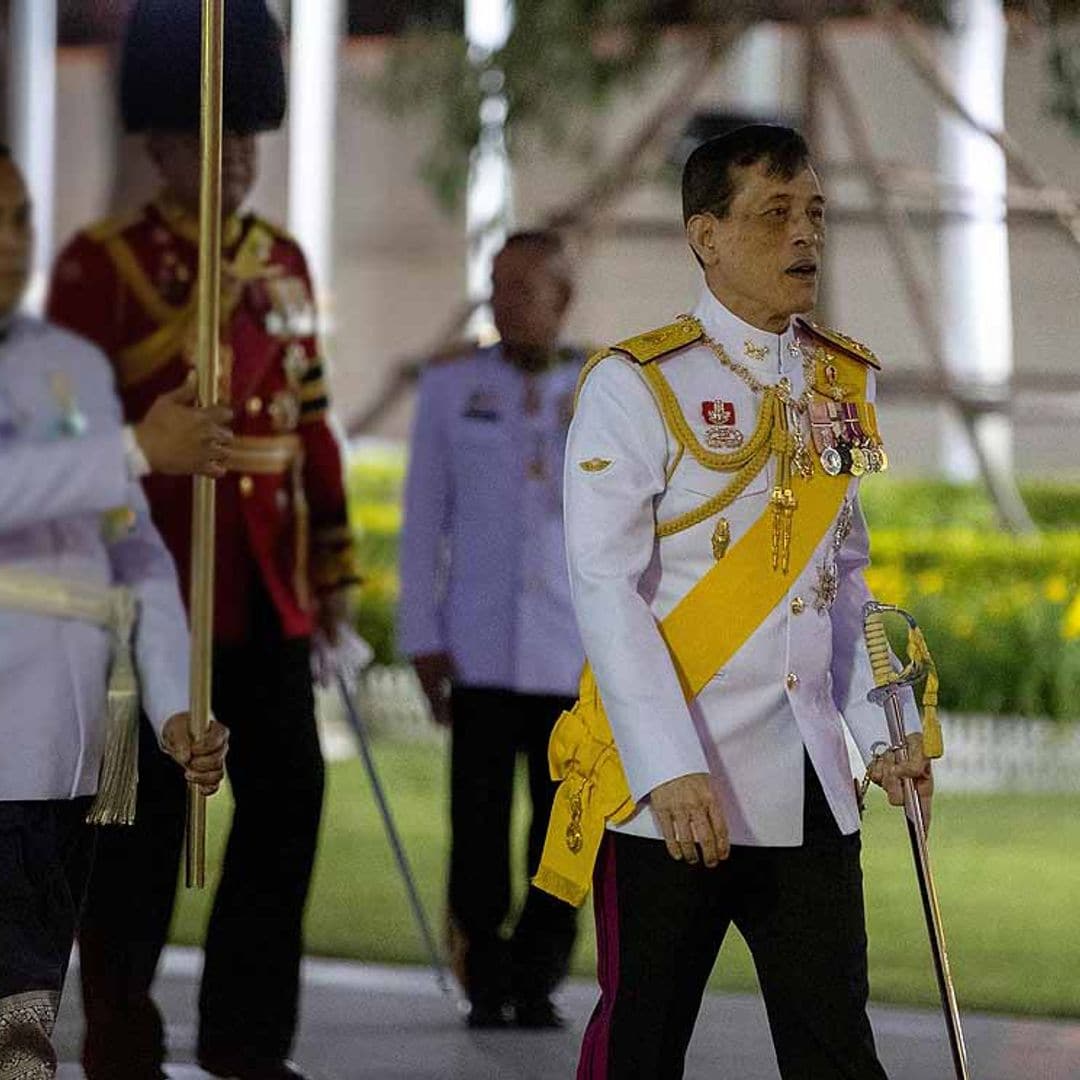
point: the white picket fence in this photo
(982, 753)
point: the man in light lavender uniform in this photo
(89, 605)
(486, 617)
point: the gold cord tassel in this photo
(115, 801)
(918, 650)
(782, 498)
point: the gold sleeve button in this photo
(247, 486)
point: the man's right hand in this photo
(689, 815)
(178, 438)
(435, 672)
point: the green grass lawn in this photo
(1007, 871)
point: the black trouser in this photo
(45, 855)
(659, 927)
(248, 1002)
(489, 728)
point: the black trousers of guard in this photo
(45, 854)
(248, 1001)
(659, 927)
(490, 727)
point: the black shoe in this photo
(537, 1013)
(231, 1069)
(485, 1015)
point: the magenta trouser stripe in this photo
(593, 1064)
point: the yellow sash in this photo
(703, 632)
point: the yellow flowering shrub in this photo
(1001, 614)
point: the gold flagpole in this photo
(202, 526)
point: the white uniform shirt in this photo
(54, 489)
(483, 558)
(799, 676)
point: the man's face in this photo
(529, 297)
(16, 236)
(762, 260)
(176, 155)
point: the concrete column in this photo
(489, 201)
(975, 283)
(757, 72)
(315, 38)
(32, 123)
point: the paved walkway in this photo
(375, 1023)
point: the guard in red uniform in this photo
(283, 563)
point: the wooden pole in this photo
(209, 316)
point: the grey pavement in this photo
(362, 1022)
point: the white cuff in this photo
(137, 465)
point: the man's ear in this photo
(702, 234)
(566, 296)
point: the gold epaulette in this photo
(650, 346)
(102, 231)
(849, 346)
(278, 232)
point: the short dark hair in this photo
(548, 241)
(707, 184)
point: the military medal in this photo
(719, 417)
(295, 363)
(284, 411)
(832, 463)
(291, 312)
(72, 422)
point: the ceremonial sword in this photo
(885, 693)
(360, 731)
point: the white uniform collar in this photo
(744, 343)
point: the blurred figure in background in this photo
(284, 556)
(90, 613)
(485, 614)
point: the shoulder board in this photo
(112, 226)
(275, 231)
(849, 346)
(645, 348)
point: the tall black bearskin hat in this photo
(159, 76)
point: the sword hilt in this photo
(920, 664)
(877, 645)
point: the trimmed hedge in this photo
(1001, 614)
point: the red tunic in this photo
(129, 286)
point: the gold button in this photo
(254, 406)
(247, 485)
(798, 605)
(792, 680)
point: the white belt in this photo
(115, 609)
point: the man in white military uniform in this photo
(86, 605)
(485, 613)
(716, 546)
